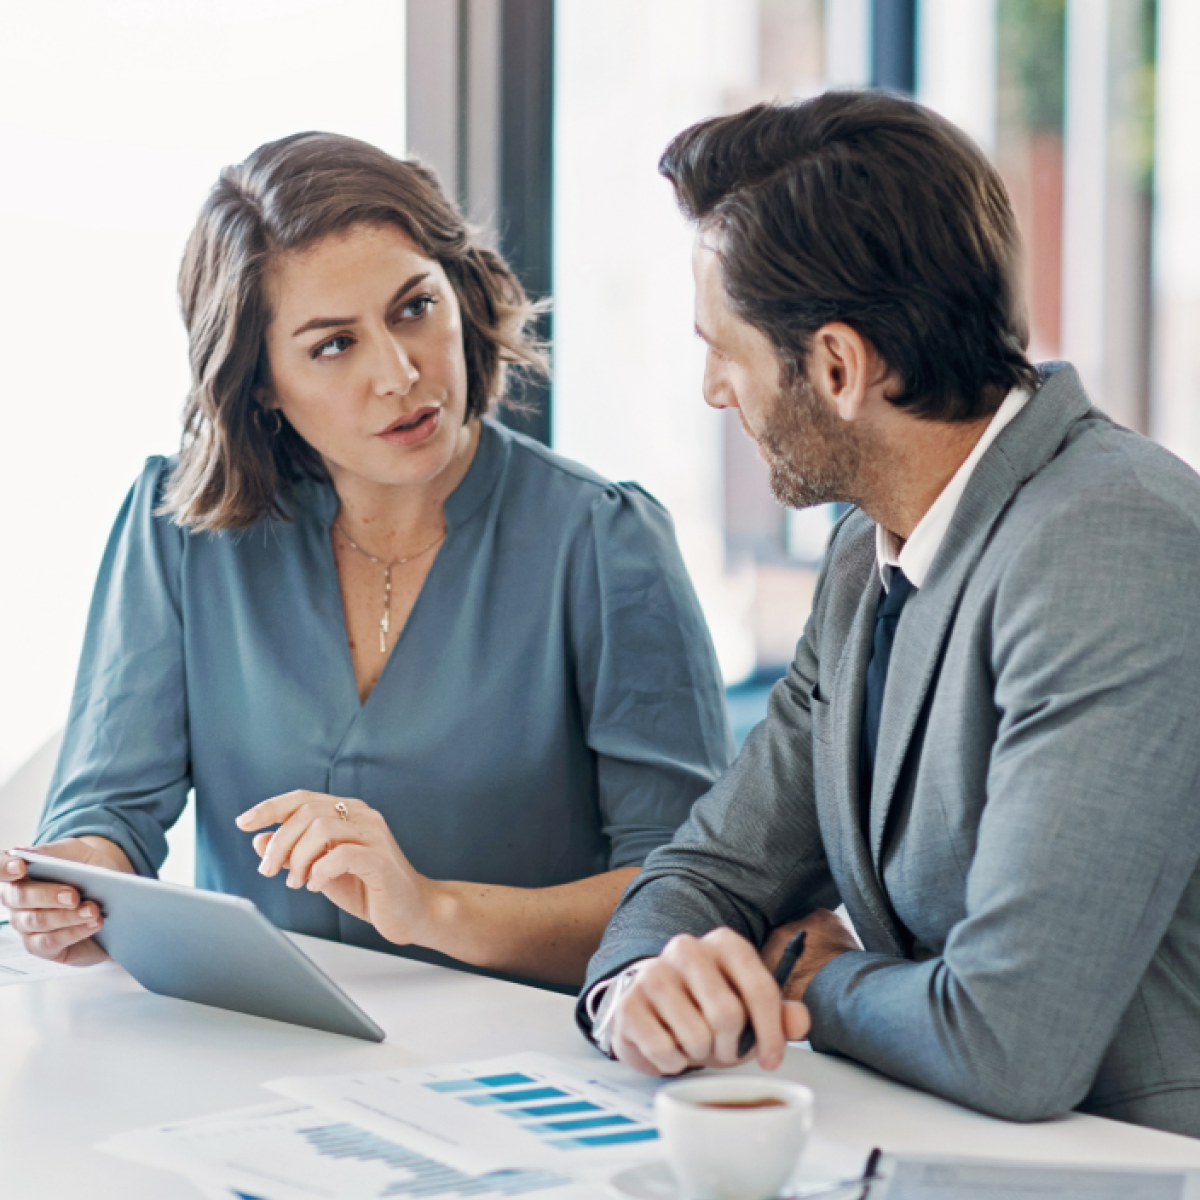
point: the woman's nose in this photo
(396, 373)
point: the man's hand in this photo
(828, 937)
(688, 1007)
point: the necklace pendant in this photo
(383, 632)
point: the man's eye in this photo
(333, 347)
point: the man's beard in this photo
(812, 454)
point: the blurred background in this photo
(546, 118)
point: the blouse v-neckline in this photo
(481, 479)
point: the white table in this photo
(85, 1057)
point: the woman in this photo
(466, 681)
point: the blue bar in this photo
(484, 1081)
(587, 1123)
(606, 1139)
(555, 1110)
(546, 1093)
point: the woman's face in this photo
(366, 357)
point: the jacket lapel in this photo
(1021, 450)
(845, 843)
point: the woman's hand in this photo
(52, 919)
(353, 860)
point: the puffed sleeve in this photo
(123, 772)
(650, 688)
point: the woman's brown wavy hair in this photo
(234, 468)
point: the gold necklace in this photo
(385, 620)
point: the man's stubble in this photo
(814, 457)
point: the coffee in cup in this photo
(734, 1137)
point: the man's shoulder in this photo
(1106, 482)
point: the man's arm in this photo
(750, 855)
(1090, 833)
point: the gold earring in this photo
(258, 421)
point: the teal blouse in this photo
(550, 711)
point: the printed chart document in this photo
(977, 1179)
(530, 1110)
(18, 967)
(289, 1151)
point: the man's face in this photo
(813, 455)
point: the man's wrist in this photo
(602, 1001)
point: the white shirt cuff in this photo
(601, 1004)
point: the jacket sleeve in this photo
(750, 855)
(650, 689)
(1090, 833)
(123, 772)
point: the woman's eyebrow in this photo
(329, 322)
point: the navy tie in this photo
(891, 605)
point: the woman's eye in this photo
(418, 306)
(333, 347)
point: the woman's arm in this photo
(541, 933)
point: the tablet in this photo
(206, 947)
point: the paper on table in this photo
(18, 967)
(979, 1179)
(525, 1110)
(289, 1151)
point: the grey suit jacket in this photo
(1028, 896)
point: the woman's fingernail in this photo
(264, 868)
(14, 866)
(244, 818)
(65, 897)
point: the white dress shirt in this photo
(914, 557)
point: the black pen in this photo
(791, 956)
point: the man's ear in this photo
(843, 367)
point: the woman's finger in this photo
(276, 810)
(278, 853)
(39, 895)
(58, 945)
(348, 858)
(318, 839)
(48, 920)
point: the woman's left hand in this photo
(353, 860)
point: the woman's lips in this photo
(410, 431)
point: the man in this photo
(988, 744)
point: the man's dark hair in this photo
(866, 208)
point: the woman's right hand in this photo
(51, 918)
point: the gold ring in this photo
(342, 811)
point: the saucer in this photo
(655, 1181)
(646, 1181)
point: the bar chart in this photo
(557, 1112)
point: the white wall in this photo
(628, 367)
(115, 117)
(1176, 414)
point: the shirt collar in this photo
(916, 556)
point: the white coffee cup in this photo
(722, 1145)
